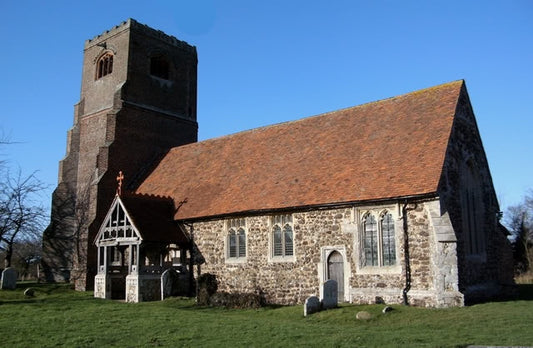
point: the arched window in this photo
(370, 237)
(159, 67)
(378, 239)
(236, 238)
(388, 245)
(104, 66)
(282, 236)
(472, 211)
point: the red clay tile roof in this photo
(385, 149)
(153, 217)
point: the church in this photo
(393, 199)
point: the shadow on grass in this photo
(47, 288)
(525, 292)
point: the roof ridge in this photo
(305, 118)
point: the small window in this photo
(104, 66)
(282, 236)
(236, 238)
(159, 67)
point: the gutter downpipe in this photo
(406, 254)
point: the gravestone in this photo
(169, 283)
(9, 279)
(330, 299)
(363, 315)
(312, 305)
(387, 309)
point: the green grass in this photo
(60, 317)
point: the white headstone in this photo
(9, 279)
(169, 280)
(312, 305)
(330, 299)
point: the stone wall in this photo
(316, 234)
(486, 273)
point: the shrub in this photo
(207, 287)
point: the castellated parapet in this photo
(145, 30)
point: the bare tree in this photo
(519, 219)
(22, 217)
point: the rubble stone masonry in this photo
(292, 280)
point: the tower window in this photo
(104, 66)
(159, 67)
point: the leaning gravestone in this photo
(9, 279)
(330, 299)
(169, 283)
(312, 305)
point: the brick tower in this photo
(138, 100)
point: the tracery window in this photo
(379, 246)
(104, 66)
(236, 238)
(472, 212)
(282, 236)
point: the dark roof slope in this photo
(385, 149)
(154, 218)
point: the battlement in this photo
(132, 24)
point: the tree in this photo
(519, 219)
(21, 215)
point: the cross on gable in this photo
(120, 178)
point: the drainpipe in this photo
(406, 254)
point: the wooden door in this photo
(336, 272)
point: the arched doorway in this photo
(336, 272)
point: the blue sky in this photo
(265, 62)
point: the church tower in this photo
(138, 100)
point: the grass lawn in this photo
(59, 317)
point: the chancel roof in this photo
(381, 150)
